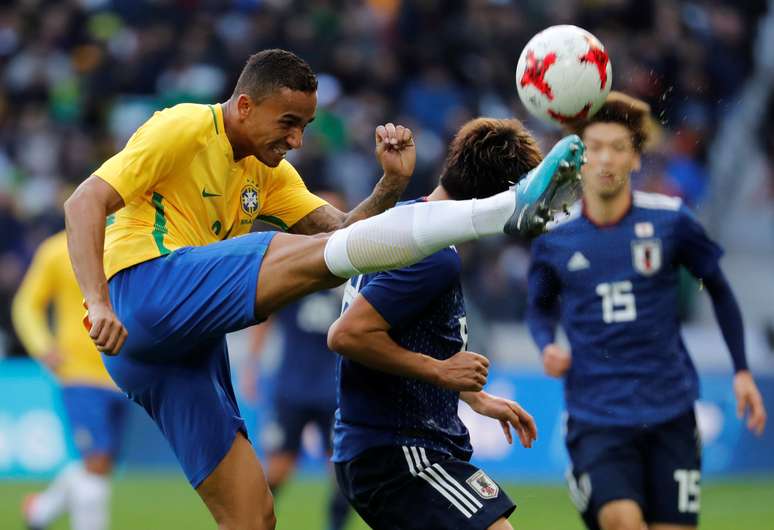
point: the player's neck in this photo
(228, 110)
(438, 194)
(604, 211)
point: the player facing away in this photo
(168, 278)
(94, 407)
(609, 274)
(400, 449)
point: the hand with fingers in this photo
(749, 401)
(463, 371)
(395, 151)
(510, 415)
(105, 330)
(556, 360)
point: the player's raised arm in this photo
(396, 153)
(85, 213)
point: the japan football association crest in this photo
(485, 487)
(249, 199)
(646, 256)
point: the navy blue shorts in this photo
(283, 432)
(657, 466)
(413, 488)
(177, 310)
(97, 416)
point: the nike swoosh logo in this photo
(205, 193)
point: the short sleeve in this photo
(154, 151)
(288, 200)
(400, 295)
(696, 251)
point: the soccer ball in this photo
(563, 74)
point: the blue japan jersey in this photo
(424, 306)
(618, 287)
(307, 371)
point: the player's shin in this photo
(406, 234)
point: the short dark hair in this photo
(486, 157)
(625, 110)
(270, 70)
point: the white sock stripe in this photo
(448, 497)
(451, 489)
(455, 482)
(410, 462)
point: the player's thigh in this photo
(663, 526)
(622, 514)
(607, 466)
(501, 524)
(674, 473)
(292, 267)
(407, 488)
(236, 492)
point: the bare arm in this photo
(361, 334)
(396, 153)
(85, 213)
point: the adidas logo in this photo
(577, 262)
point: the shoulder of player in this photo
(656, 201)
(188, 121)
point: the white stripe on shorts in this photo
(430, 476)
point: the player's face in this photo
(611, 158)
(275, 125)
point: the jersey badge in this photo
(578, 262)
(249, 199)
(646, 256)
(485, 487)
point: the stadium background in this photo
(78, 76)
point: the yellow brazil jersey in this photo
(50, 283)
(181, 187)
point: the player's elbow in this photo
(342, 337)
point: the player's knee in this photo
(501, 524)
(98, 464)
(621, 515)
(267, 519)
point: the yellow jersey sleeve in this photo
(287, 200)
(30, 305)
(157, 149)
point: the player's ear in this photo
(244, 105)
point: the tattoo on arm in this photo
(326, 218)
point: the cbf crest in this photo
(485, 487)
(249, 199)
(646, 256)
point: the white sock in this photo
(49, 504)
(406, 234)
(90, 502)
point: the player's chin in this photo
(271, 158)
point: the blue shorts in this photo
(97, 416)
(283, 432)
(177, 310)
(412, 488)
(657, 466)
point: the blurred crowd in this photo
(78, 76)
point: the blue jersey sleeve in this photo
(697, 252)
(543, 288)
(402, 294)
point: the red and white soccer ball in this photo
(563, 74)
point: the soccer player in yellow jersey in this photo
(94, 406)
(168, 279)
